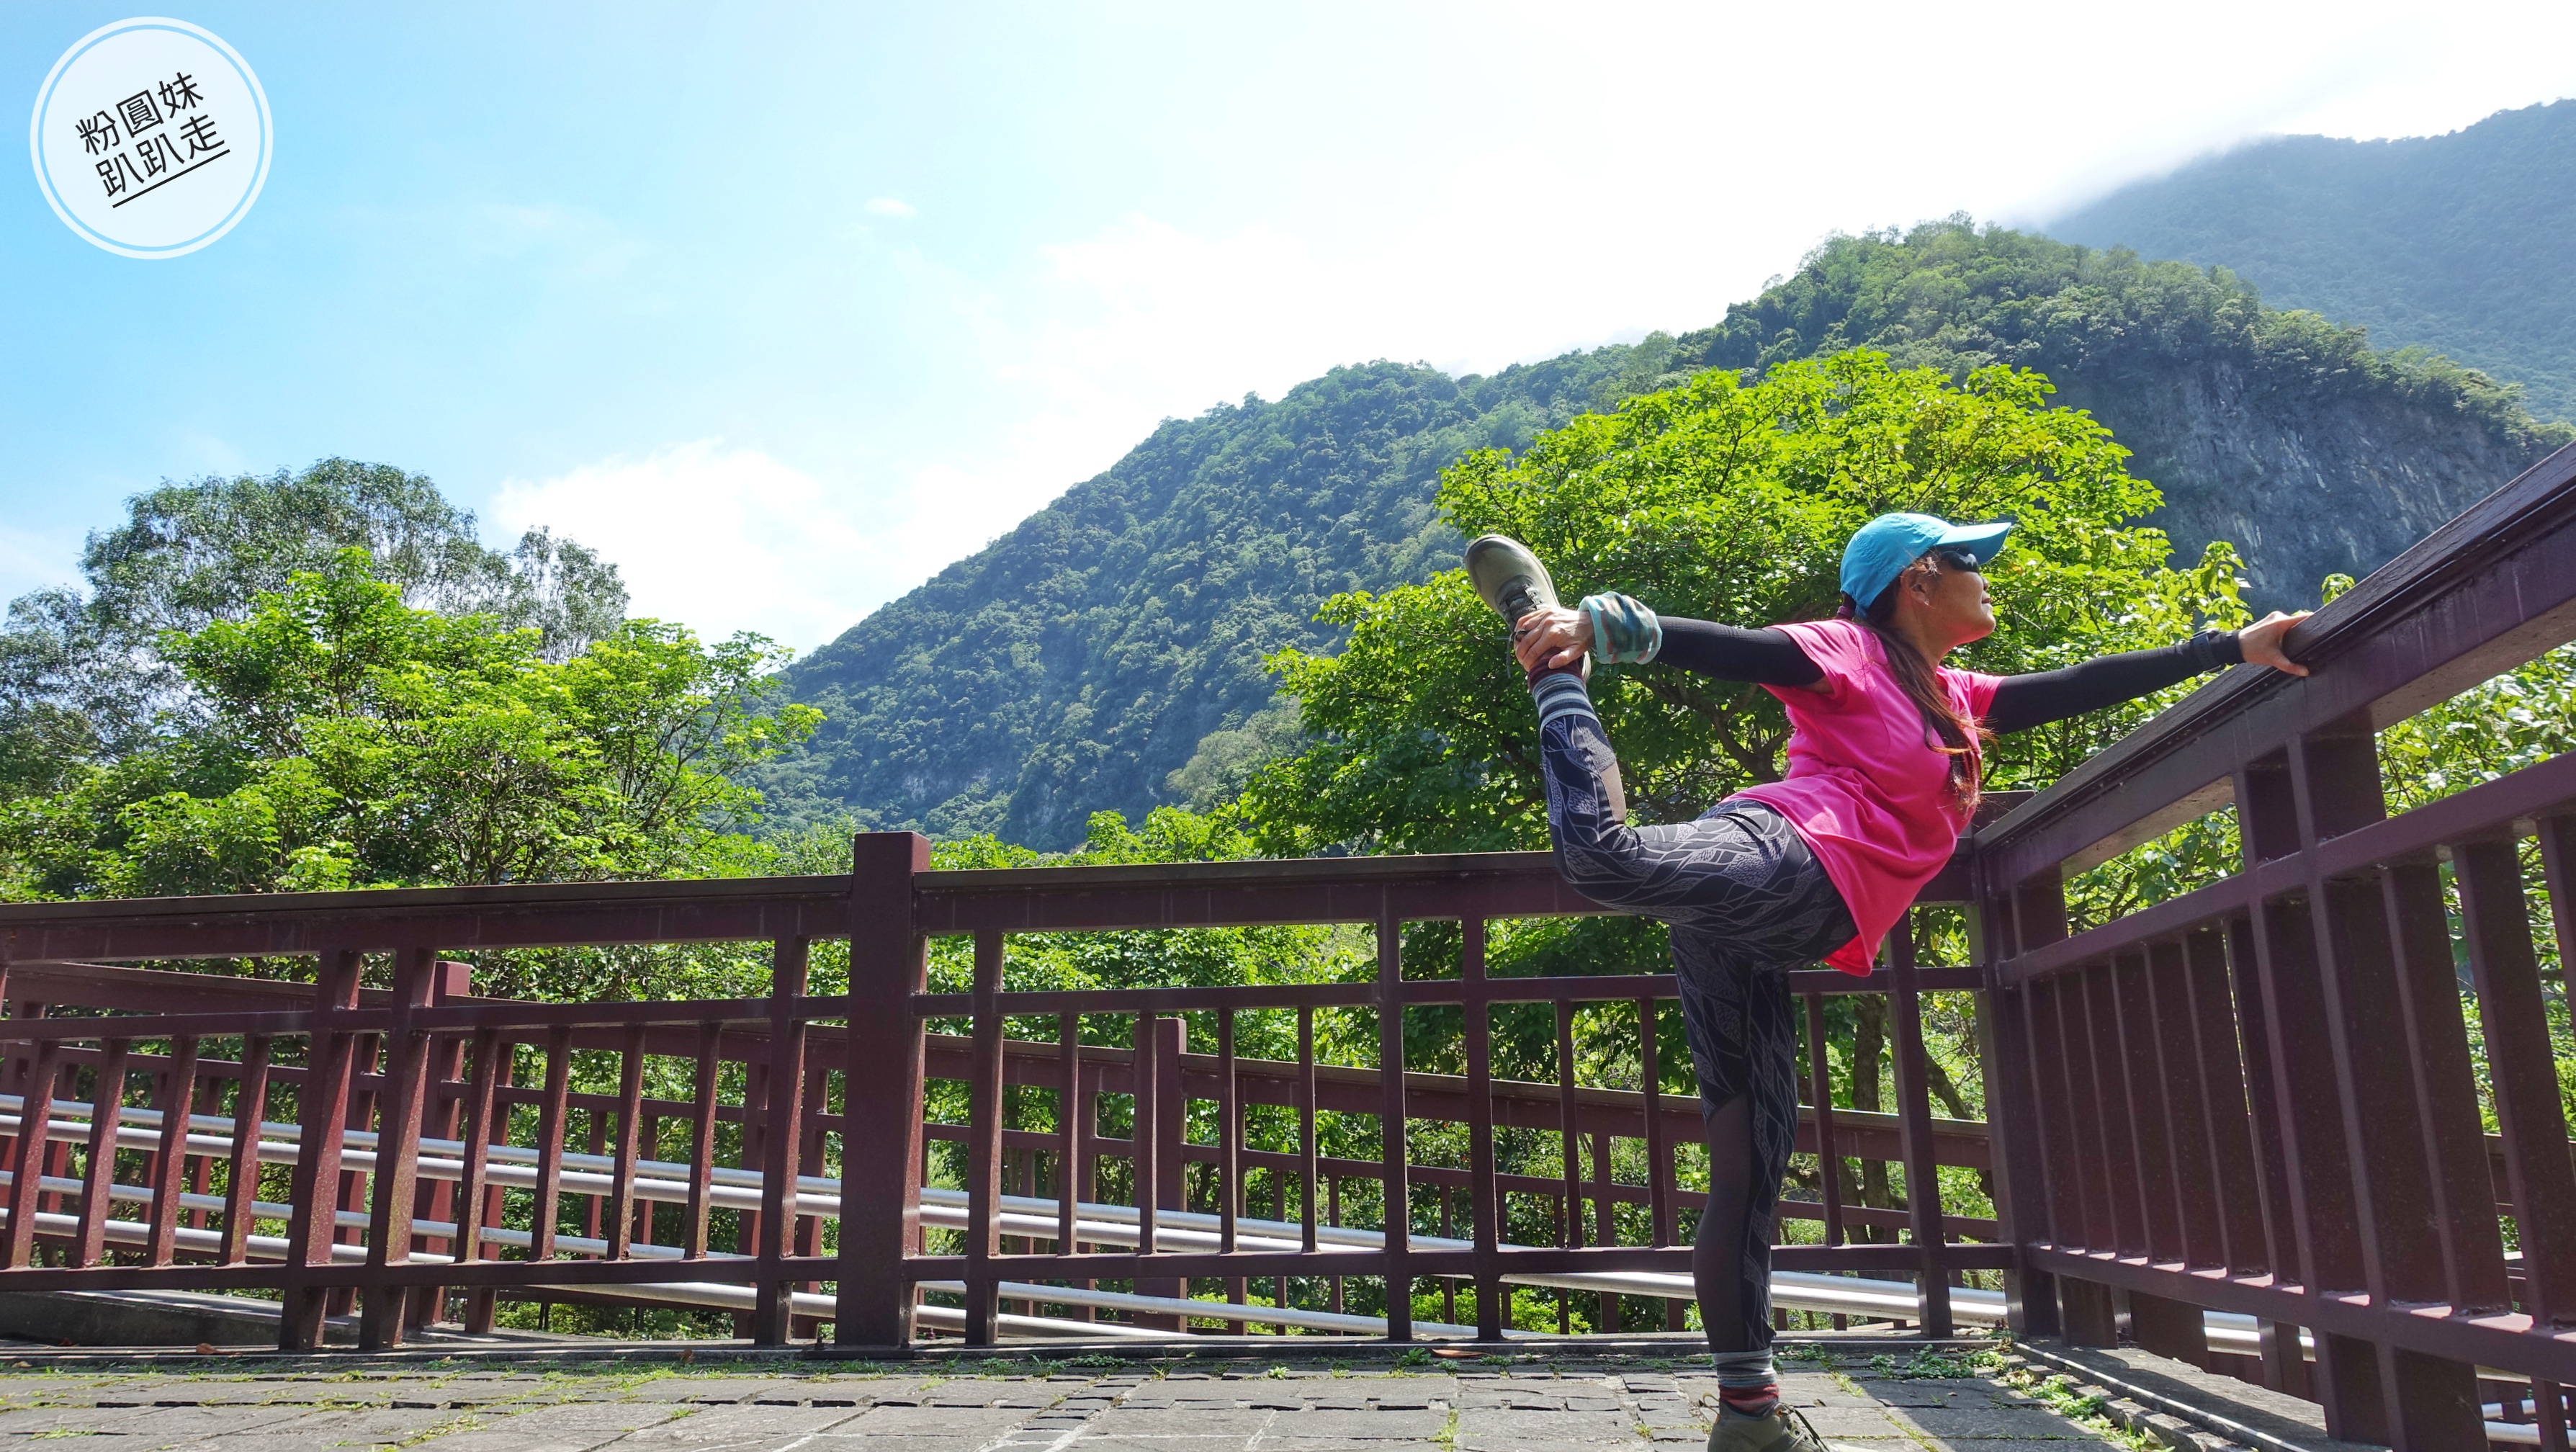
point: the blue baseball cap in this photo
(1881, 549)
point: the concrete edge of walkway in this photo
(2175, 1421)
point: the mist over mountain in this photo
(1115, 637)
(2462, 244)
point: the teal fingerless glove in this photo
(1624, 632)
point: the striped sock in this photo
(1561, 693)
(1747, 1383)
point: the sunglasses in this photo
(1956, 559)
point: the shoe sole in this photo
(1495, 563)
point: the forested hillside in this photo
(1077, 662)
(2462, 243)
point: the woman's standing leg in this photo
(1743, 1046)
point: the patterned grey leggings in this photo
(1746, 902)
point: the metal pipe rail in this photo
(140, 1129)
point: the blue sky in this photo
(784, 307)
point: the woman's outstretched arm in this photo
(2040, 697)
(1764, 657)
(1553, 639)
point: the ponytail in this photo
(1946, 728)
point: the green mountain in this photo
(2461, 243)
(1115, 637)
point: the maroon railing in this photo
(626, 1196)
(2263, 1097)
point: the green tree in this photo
(349, 739)
(1729, 501)
(82, 677)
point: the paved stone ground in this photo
(1524, 1404)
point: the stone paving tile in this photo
(1812, 1389)
(36, 1421)
(840, 1442)
(1379, 1426)
(738, 1423)
(1504, 1431)
(563, 1427)
(1928, 1393)
(886, 1421)
(1336, 1444)
(1851, 1422)
(1163, 1444)
(1989, 1422)
(706, 1391)
(1986, 1444)
(1127, 1421)
(319, 1431)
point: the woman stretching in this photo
(1885, 751)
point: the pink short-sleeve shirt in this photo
(1867, 788)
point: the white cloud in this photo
(891, 207)
(718, 539)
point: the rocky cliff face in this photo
(2304, 484)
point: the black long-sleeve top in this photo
(1771, 658)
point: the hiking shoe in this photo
(1508, 577)
(1784, 1430)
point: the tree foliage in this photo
(348, 739)
(82, 677)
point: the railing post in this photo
(1914, 1126)
(881, 1093)
(1162, 1122)
(489, 1207)
(629, 1145)
(170, 1163)
(2013, 1111)
(322, 1111)
(380, 1323)
(2279, 818)
(241, 1180)
(1397, 1195)
(984, 1143)
(27, 1160)
(443, 1116)
(98, 1167)
(2055, 1019)
(2422, 1402)
(1484, 1202)
(781, 1138)
(552, 1108)
(2495, 914)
